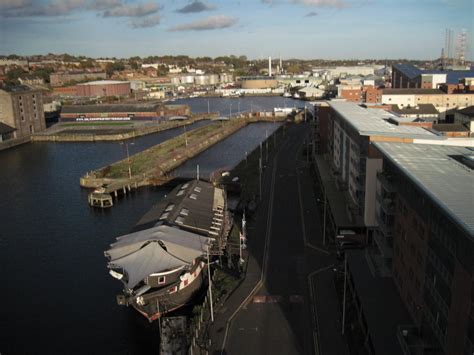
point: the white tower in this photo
(269, 66)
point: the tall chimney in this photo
(269, 66)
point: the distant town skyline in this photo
(305, 29)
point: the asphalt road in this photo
(291, 306)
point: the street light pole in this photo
(210, 287)
(230, 111)
(128, 160)
(345, 290)
(324, 219)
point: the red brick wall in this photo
(410, 253)
(351, 95)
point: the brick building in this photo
(60, 79)
(122, 112)
(424, 208)
(104, 88)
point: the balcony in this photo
(385, 181)
(384, 226)
(384, 244)
(386, 203)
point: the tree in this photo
(110, 68)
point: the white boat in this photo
(287, 94)
(296, 95)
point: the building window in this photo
(161, 280)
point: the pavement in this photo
(287, 303)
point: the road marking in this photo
(306, 243)
(314, 309)
(265, 256)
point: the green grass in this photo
(97, 124)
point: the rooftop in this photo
(420, 109)
(413, 92)
(196, 206)
(450, 127)
(445, 179)
(16, 88)
(468, 111)
(452, 76)
(105, 82)
(373, 122)
(4, 128)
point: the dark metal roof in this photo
(421, 109)
(4, 128)
(412, 92)
(468, 111)
(408, 69)
(452, 76)
(190, 206)
(109, 108)
(450, 127)
(16, 88)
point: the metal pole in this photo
(324, 219)
(210, 288)
(260, 175)
(185, 136)
(197, 172)
(345, 290)
(266, 144)
(128, 160)
(208, 111)
(230, 111)
(159, 319)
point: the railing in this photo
(386, 230)
(386, 203)
(384, 179)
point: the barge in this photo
(162, 261)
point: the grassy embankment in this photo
(161, 159)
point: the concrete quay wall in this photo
(141, 131)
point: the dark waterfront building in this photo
(122, 112)
(21, 108)
(425, 202)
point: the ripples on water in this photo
(57, 296)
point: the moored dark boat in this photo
(161, 262)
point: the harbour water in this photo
(232, 106)
(57, 296)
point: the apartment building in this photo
(424, 208)
(442, 101)
(351, 129)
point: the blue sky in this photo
(329, 29)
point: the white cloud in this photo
(323, 3)
(132, 10)
(196, 6)
(209, 23)
(145, 22)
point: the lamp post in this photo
(210, 287)
(128, 159)
(230, 111)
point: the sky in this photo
(306, 29)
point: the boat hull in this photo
(159, 303)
